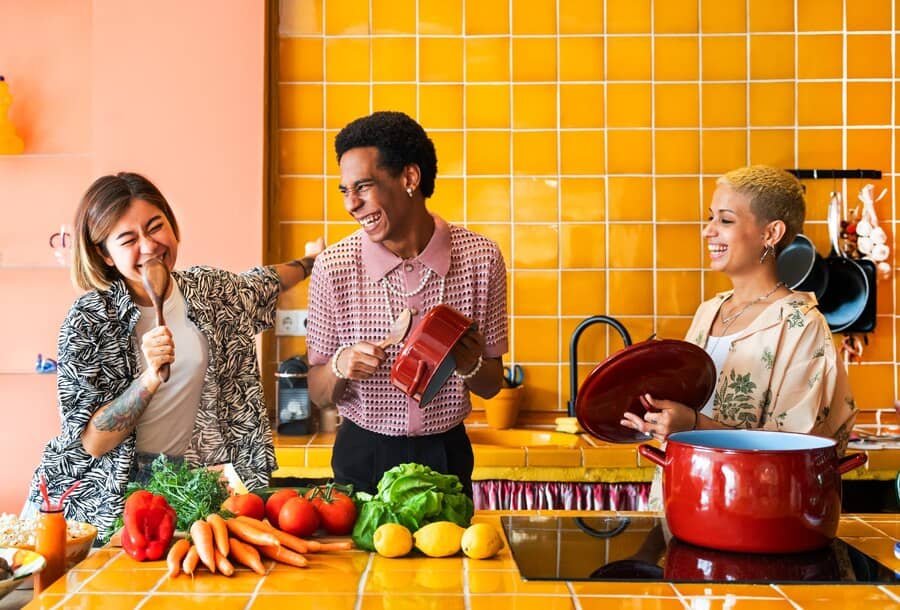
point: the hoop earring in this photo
(769, 249)
(409, 191)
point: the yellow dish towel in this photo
(568, 424)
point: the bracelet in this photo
(696, 419)
(307, 263)
(471, 373)
(334, 359)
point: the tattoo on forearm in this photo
(122, 414)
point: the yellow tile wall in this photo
(585, 137)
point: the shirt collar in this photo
(379, 261)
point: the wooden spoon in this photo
(156, 283)
(398, 330)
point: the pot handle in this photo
(653, 454)
(421, 369)
(849, 462)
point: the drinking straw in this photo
(44, 493)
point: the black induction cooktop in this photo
(629, 548)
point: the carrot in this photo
(279, 553)
(257, 523)
(223, 564)
(317, 547)
(189, 565)
(176, 556)
(246, 555)
(292, 542)
(251, 534)
(201, 534)
(220, 532)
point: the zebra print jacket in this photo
(99, 356)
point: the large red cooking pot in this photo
(425, 362)
(752, 490)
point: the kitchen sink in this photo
(522, 437)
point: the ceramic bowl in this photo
(78, 547)
(24, 564)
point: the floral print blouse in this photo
(782, 372)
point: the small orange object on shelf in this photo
(10, 143)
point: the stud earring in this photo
(409, 191)
(770, 249)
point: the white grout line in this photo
(747, 81)
(787, 598)
(654, 230)
(363, 579)
(702, 188)
(560, 341)
(892, 182)
(606, 222)
(734, 34)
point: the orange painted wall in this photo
(170, 89)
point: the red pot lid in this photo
(664, 368)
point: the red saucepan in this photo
(754, 491)
(425, 362)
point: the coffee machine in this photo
(293, 408)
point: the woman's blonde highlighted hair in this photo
(774, 195)
(101, 207)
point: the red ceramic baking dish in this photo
(425, 362)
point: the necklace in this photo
(727, 320)
(390, 287)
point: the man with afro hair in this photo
(402, 256)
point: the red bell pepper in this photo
(149, 526)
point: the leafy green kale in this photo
(194, 493)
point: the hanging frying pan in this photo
(800, 267)
(865, 323)
(847, 292)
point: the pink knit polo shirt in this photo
(348, 303)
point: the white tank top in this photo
(166, 425)
(717, 348)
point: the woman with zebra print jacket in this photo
(116, 412)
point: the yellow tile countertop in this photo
(362, 580)
(542, 454)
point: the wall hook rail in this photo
(836, 174)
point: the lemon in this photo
(481, 541)
(439, 539)
(392, 540)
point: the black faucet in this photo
(573, 351)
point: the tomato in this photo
(298, 517)
(246, 504)
(336, 509)
(276, 501)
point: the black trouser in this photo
(361, 457)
